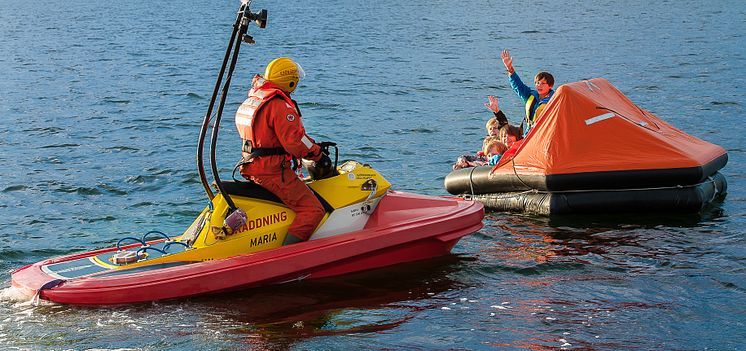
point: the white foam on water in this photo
(13, 294)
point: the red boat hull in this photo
(405, 227)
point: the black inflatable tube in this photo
(681, 199)
(476, 181)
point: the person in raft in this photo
(499, 126)
(492, 150)
(480, 159)
(269, 123)
(534, 100)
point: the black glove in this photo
(324, 162)
(325, 145)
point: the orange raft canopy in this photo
(594, 150)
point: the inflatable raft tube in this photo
(516, 195)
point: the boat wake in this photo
(14, 295)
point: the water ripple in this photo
(13, 188)
(62, 146)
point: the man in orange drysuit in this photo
(270, 126)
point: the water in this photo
(101, 106)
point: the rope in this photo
(233, 174)
(471, 181)
(130, 238)
(168, 244)
(714, 185)
(536, 191)
(144, 236)
(645, 114)
(633, 189)
(144, 249)
(512, 160)
(507, 195)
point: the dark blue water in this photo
(101, 103)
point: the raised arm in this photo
(521, 89)
(492, 104)
(507, 61)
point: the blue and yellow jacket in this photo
(530, 98)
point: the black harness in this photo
(261, 151)
(250, 153)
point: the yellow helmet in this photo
(285, 73)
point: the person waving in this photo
(534, 100)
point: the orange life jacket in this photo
(261, 92)
(269, 123)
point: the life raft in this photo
(595, 151)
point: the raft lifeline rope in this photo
(471, 183)
(643, 124)
(488, 199)
(536, 191)
(715, 186)
(471, 195)
(517, 176)
(628, 189)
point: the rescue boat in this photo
(594, 151)
(366, 228)
(236, 241)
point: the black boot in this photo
(291, 239)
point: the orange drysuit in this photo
(270, 126)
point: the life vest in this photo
(531, 105)
(530, 116)
(261, 92)
(259, 145)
